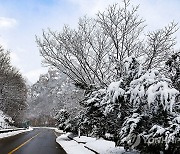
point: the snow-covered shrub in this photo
(161, 138)
(173, 68)
(105, 109)
(132, 68)
(114, 108)
(153, 101)
(142, 104)
(92, 117)
(62, 118)
(130, 128)
(113, 93)
(153, 89)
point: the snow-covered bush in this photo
(129, 127)
(173, 65)
(153, 89)
(172, 70)
(105, 109)
(62, 118)
(141, 103)
(132, 69)
(153, 101)
(92, 117)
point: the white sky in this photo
(21, 20)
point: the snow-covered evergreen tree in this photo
(62, 117)
(174, 68)
(142, 103)
(153, 100)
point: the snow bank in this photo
(71, 146)
(84, 139)
(54, 128)
(4, 135)
(75, 146)
(101, 146)
(58, 131)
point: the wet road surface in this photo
(38, 141)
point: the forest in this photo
(108, 78)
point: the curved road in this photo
(38, 141)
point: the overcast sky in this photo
(21, 20)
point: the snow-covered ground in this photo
(58, 131)
(104, 147)
(4, 135)
(101, 146)
(71, 146)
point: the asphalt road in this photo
(38, 141)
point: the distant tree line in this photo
(12, 88)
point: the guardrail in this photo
(4, 128)
(11, 130)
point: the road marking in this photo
(23, 144)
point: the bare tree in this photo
(81, 54)
(160, 45)
(123, 28)
(87, 54)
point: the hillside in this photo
(52, 92)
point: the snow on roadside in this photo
(45, 127)
(104, 147)
(58, 131)
(53, 128)
(84, 139)
(101, 146)
(8, 134)
(71, 146)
